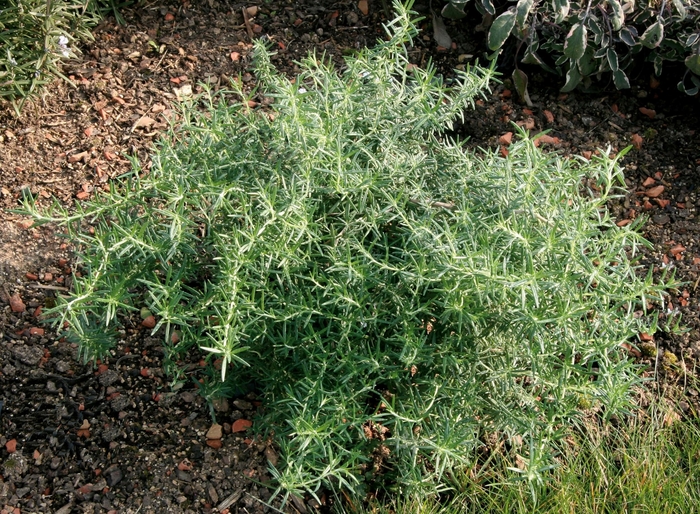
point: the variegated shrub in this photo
(594, 39)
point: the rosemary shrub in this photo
(393, 297)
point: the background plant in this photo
(395, 299)
(36, 35)
(591, 39)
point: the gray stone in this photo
(29, 355)
(119, 403)
(213, 495)
(183, 475)
(108, 378)
(62, 366)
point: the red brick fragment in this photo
(241, 425)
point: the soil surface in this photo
(114, 437)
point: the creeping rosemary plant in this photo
(393, 297)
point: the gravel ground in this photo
(115, 437)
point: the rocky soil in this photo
(114, 436)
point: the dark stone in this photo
(113, 475)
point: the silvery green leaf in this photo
(621, 80)
(440, 32)
(453, 11)
(693, 63)
(613, 60)
(627, 37)
(658, 65)
(520, 82)
(488, 7)
(561, 7)
(531, 58)
(692, 91)
(573, 77)
(534, 42)
(680, 7)
(618, 15)
(595, 27)
(600, 53)
(500, 30)
(653, 35)
(587, 64)
(692, 39)
(575, 44)
(561, 60)
(522, 10)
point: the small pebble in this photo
(16, 303)
(214, 432)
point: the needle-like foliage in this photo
(393, 296)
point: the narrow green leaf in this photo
(575, 44)
(621, 80)
(561, 7)
(522, 11)
(613, 60)
(618, 15)
(653, 35)
(573, 77)
(500, 30)
(693, 63)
